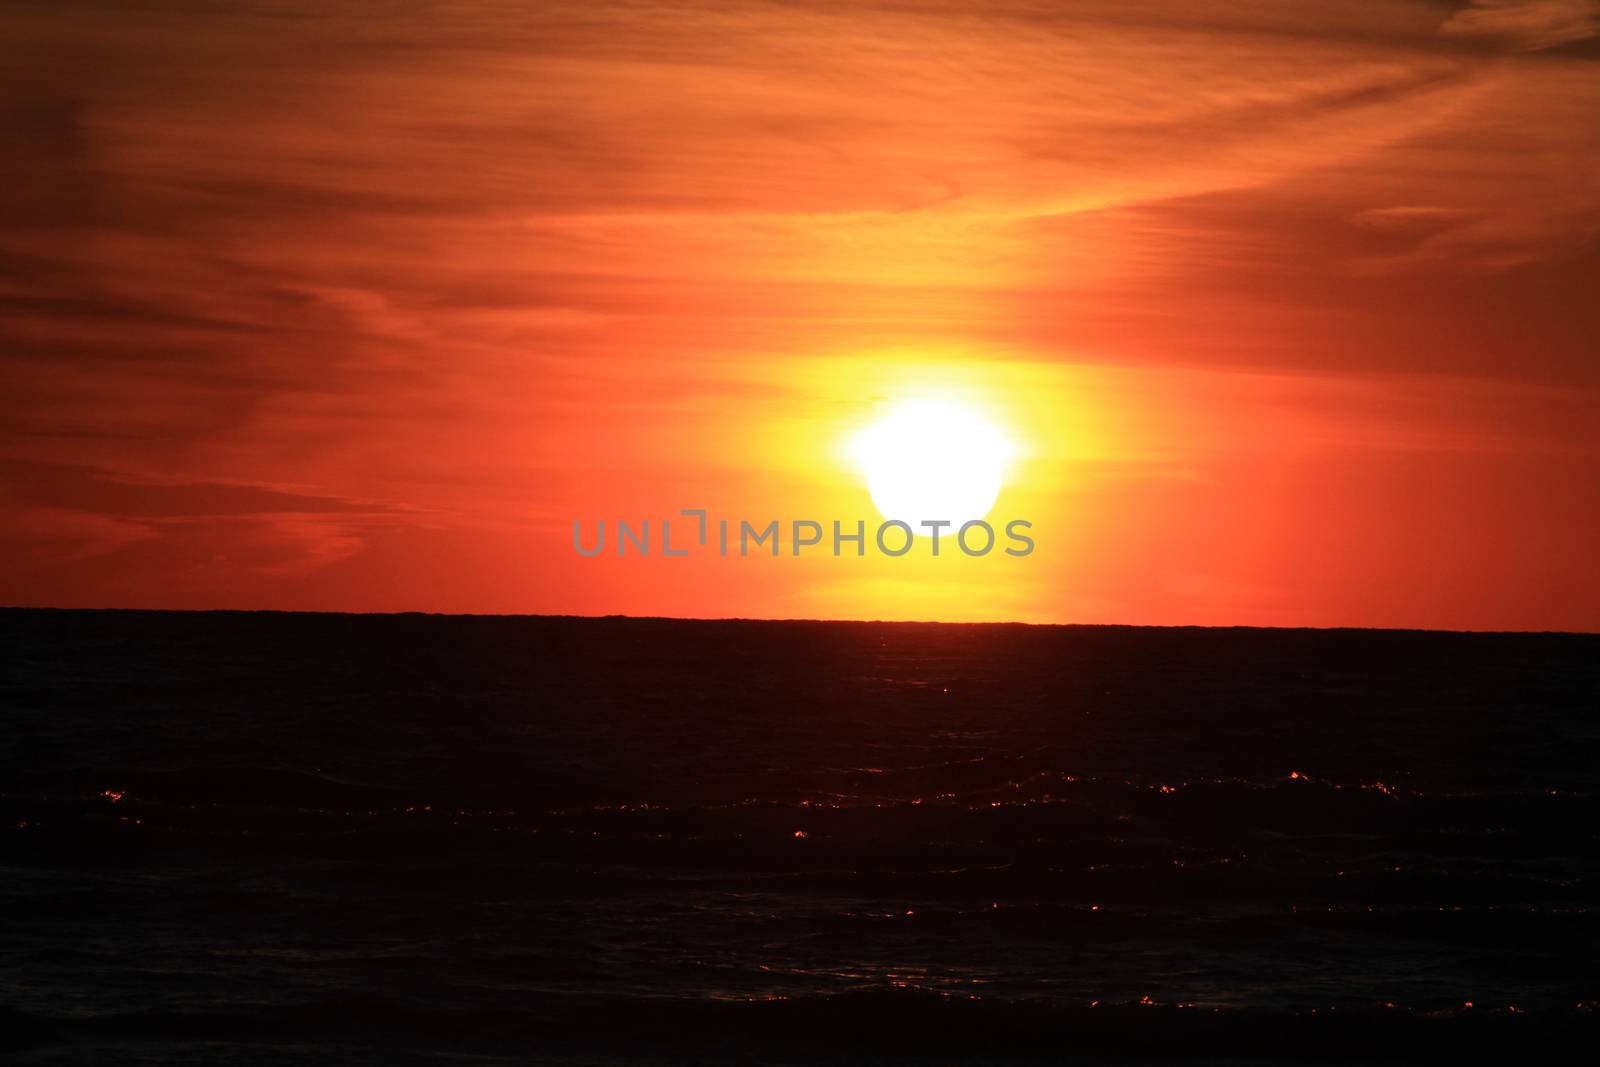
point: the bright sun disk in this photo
(932, 459)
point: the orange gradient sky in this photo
(1291, 308)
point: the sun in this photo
(932, 459)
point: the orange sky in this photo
(357, 306)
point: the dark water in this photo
(265, 838)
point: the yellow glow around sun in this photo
(932, 459)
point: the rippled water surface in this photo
(284, 838)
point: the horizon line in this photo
(790, 620)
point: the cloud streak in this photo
(1527, 25)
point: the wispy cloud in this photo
(1527, 25)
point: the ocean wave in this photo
(890, 1023)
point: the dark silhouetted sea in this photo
(274, 838)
